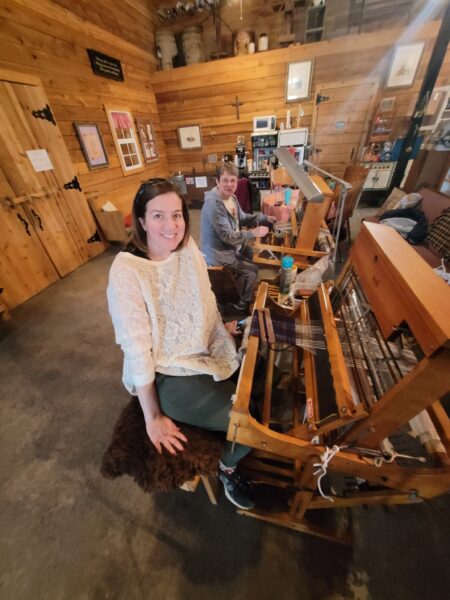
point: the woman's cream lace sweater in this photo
(165, 318)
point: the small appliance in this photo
(266, 123)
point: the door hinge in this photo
(73, 185)
(44, 113)
(95, 238)
(320, 98)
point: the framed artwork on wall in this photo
(147, 137)
(298, 80)
(405, 63)
(92, 145)
(124, 136)
(190, 137)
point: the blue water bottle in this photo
(287, 195)
(286, 273)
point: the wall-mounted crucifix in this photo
(237, 104)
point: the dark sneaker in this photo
(236, 490)
(241, 305)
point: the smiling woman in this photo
(164, 225)
(178, 355)
(148, 200)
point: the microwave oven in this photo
(293, 137)
(267, 123)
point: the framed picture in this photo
(387, 104)
(298, 80)
(404, 65)
(146, 135)
(124, 136)
(92, 145)
(190, 137)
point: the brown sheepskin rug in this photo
(132, 453)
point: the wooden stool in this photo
(131, 453)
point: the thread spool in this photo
(193, 48)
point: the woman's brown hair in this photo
(137, 243)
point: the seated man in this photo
(223, 243)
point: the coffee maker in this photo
(240, 158)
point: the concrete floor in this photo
(68, 534)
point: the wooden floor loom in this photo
(308, 238)
(386, 326)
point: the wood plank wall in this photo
(48, 38)
(203, 94)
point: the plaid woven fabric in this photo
(292, 332)
(438, 237)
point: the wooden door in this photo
(51, 204)
(34, 191)
(340, 121)
(25, 266)
(71, 199)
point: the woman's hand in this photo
(260, 231)
(163, 432)
(232, 329)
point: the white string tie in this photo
(321, 468)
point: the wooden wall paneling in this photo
(21, 28)
(134, 24)
(58, 16)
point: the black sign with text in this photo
(105, 66)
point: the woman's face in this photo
(227, 185)
(164, 224)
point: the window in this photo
(124, 135)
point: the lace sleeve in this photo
(131, 325)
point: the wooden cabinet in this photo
(379, 175)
